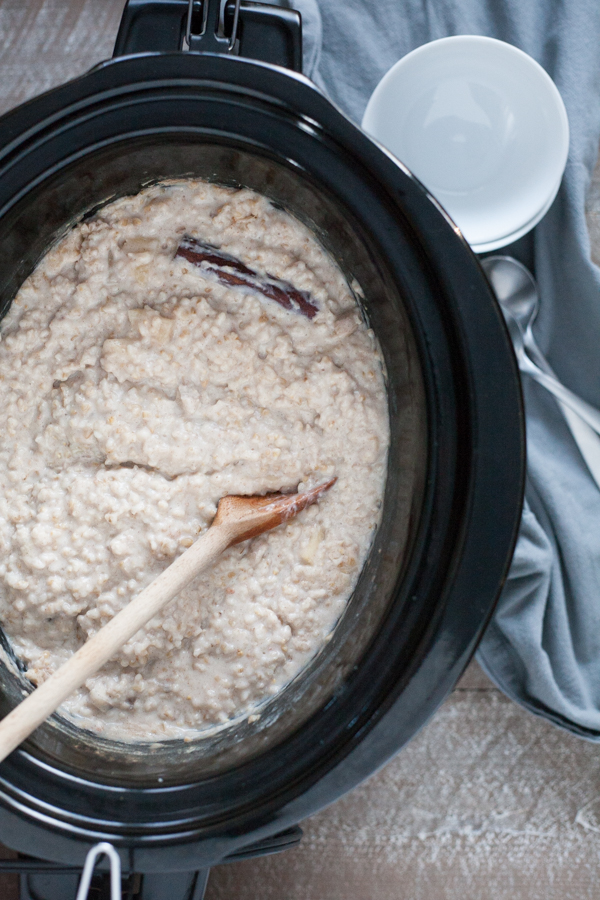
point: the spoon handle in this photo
(583, 409)
(517, 293)
(26, 717)
(238, 519)
(587, 440)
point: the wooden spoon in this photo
(238, 519)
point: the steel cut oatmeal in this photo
(187, 343)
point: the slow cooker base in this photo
(457, 461)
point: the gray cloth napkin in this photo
(543, 645)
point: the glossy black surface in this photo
(265, 32)
(456, 465)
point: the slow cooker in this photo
(182, 98)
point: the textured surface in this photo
(139, 389)
(46, 42)
(487, 801)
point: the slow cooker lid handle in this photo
(204, 30)
(265, 32)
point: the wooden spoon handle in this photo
(238, 519)
(46, 699)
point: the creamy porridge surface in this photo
(137, 390)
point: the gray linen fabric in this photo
(543, 644)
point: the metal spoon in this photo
(517, 293)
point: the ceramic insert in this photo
(186, 343)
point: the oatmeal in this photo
(139, 385)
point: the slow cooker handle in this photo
(260, 31)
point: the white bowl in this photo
(506, 239)
(483, 126)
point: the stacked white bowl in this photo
(483, 126)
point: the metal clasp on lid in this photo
(102, 849)
(210, 38)
(269, 32)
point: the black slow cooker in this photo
(456, 466)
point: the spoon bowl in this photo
(515, 289)
(517, 294)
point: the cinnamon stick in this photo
(233, 272)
